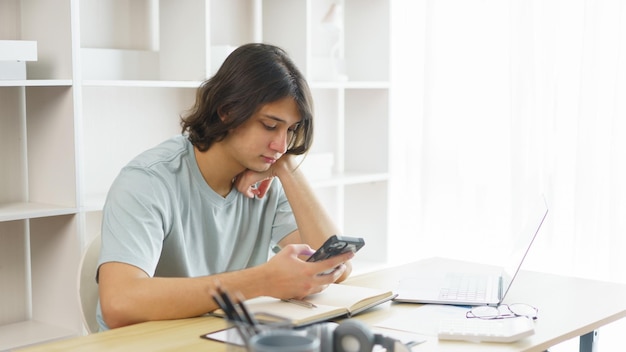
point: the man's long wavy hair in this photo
(251, 76)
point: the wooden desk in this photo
(568, 307)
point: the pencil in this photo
(300, 303)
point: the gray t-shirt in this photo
(162, 217)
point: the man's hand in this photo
(252, 183)
(291, 277)
(248, 183)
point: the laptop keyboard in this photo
(463, 287)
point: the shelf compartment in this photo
(367, 59)
(141, 118)
(47, 23)
(36, 304)
(119, 64)
(284, 23)
(14, 272)
(327, 119)
(37, 151)
(327, 25)
(232, 22)
(144, 39)
(367, 130)
(52, 273)
(227, 32)
(13, 153)
(51, 146)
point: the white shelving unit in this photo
(111, 80)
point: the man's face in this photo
(264, 138)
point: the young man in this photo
(204, 208)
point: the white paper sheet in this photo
(423, 320)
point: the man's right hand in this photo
(291, 277)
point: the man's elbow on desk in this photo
(119, 293)
(115, 312)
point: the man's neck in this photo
(220, 179)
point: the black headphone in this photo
(354, 336)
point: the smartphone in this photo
(336, 245)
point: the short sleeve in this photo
(133, 224)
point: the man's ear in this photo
(222, 112)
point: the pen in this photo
(222, 306)
(242, 321)
(249, 317)
(300, 303)
(229, 314)
(229, 304)
(414, 343)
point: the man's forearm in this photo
(314, 223)
(132, 299)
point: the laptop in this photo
(472, 285)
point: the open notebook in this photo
(336, 301)
(459, 287)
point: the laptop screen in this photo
(523, 241)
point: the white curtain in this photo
(496, 102)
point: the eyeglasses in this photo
(503, 311)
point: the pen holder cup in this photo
(280, 338)
(284, 340)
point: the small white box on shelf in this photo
(13, 57)
(18, 50)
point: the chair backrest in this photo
(87, 286)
